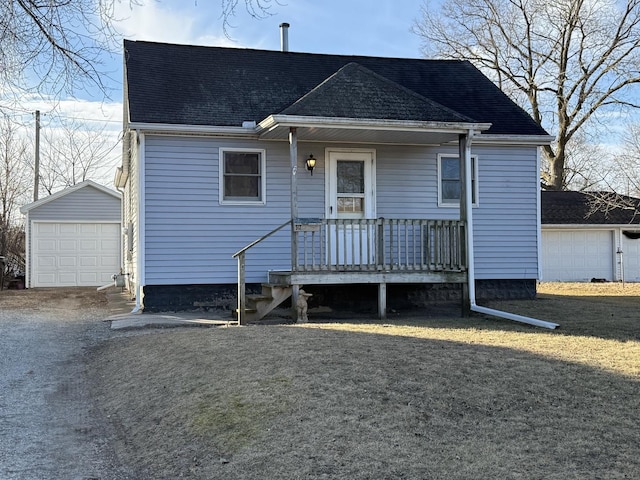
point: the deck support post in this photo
(466, 301)
(295, 293)
(382, 301)
(241, 289)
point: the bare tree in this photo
(568, 62)
(74, 151)
(56, 46)
(588, 165)
(14, 188)
(627, 164)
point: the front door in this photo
(351, 196)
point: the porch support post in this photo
(293, 154)
(295, 293)
(464, 152)
(382, 301)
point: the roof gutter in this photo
(171, 128)
(489, 139)
(472, 278)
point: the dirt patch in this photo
(70, 298)
(416, 397)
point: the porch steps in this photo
(260, 305)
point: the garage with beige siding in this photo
(73, 237)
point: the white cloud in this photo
(159, 22)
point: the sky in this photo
(360, 27)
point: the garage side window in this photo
(449, 180)
(242, 176)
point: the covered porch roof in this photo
(365, 131)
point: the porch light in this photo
(311, 163)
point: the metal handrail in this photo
(255, 242)
(240, 255)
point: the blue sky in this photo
(360, 27)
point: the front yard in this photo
(444, 398)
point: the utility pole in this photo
(36, 168)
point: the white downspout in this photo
(141, 145)
(470, 253)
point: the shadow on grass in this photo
(359, 406)
(607, 317)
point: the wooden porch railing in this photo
(367, 245)
(382, 244)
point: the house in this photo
(582, 241)
(243, 167)
(73, 237)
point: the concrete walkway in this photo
(121, 306)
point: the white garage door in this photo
(74, 254)
(577, 255)
(631, 255)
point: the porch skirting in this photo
(361, 298)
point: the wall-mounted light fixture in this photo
(311, 163)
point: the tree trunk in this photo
(556, 180)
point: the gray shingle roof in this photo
(356, 92)
(572, 208)
(195, 85)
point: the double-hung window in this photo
(242, 176)
(449, 180)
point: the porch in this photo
(359, 251)
(350, 244)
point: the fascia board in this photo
(537, 140)
(170, 128)
(273, 121)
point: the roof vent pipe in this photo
(284, 37)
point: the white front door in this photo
(351, 195)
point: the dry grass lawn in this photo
(412, 398)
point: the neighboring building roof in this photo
(195, 85)
(86, 184)
(584, 208)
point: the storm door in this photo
(350, 202)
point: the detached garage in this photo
(580, 242)
(73, 237)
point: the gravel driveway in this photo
(49, 428)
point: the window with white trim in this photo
(449, 180)
(242, 176)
